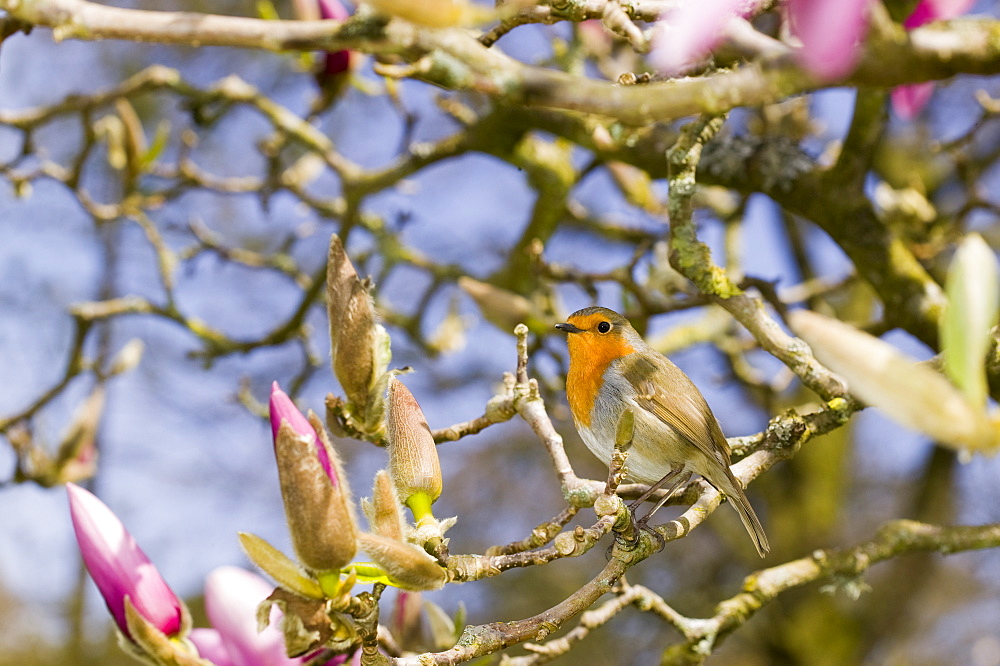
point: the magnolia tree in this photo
(486, 168)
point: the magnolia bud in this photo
(77, 457)
(355, 345)
(909, 393)
(317, 501)
(340, 279)
(406, 622)
(318, 514)
(112, 129)
(359, 344)
(127, 357)
(413, 459)
(335, 63)
(408, 566)
(504, 309)
(147, 644)
(449, 336)
(444, 629)
(281, 409)
(384, 514)
(334, 465)
(973, 298)
(121, 570)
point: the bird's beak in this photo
(569, 328)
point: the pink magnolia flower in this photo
(908, 101)
(231, 599)
(118, 566)
(282, 408)
(211, 646)
(334, 62)
(831, 32)
(689, 31)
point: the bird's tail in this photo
(734, 491)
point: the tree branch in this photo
(458, 61)
(843, 566)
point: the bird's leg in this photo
(666, 494)
(641, 524)
(656, 486)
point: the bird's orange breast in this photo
(589, 358)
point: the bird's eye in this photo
(604, 327)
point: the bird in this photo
(674, 432)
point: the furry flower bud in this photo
(360, 346)
(317, 500)
(413, 458)
(408, 565)
(385, 516)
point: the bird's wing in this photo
(684, 410)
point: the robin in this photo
(675, 434)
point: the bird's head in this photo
(598, 334)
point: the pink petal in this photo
(337, 660)
(908, 101)
(281, 409)
(210, 646)
(231, 599)
(594, 30)
(332, 9)
(336, 62)
(831, 32)
(923, 13)
(689, 32)
(118, 566)
(934, 10)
